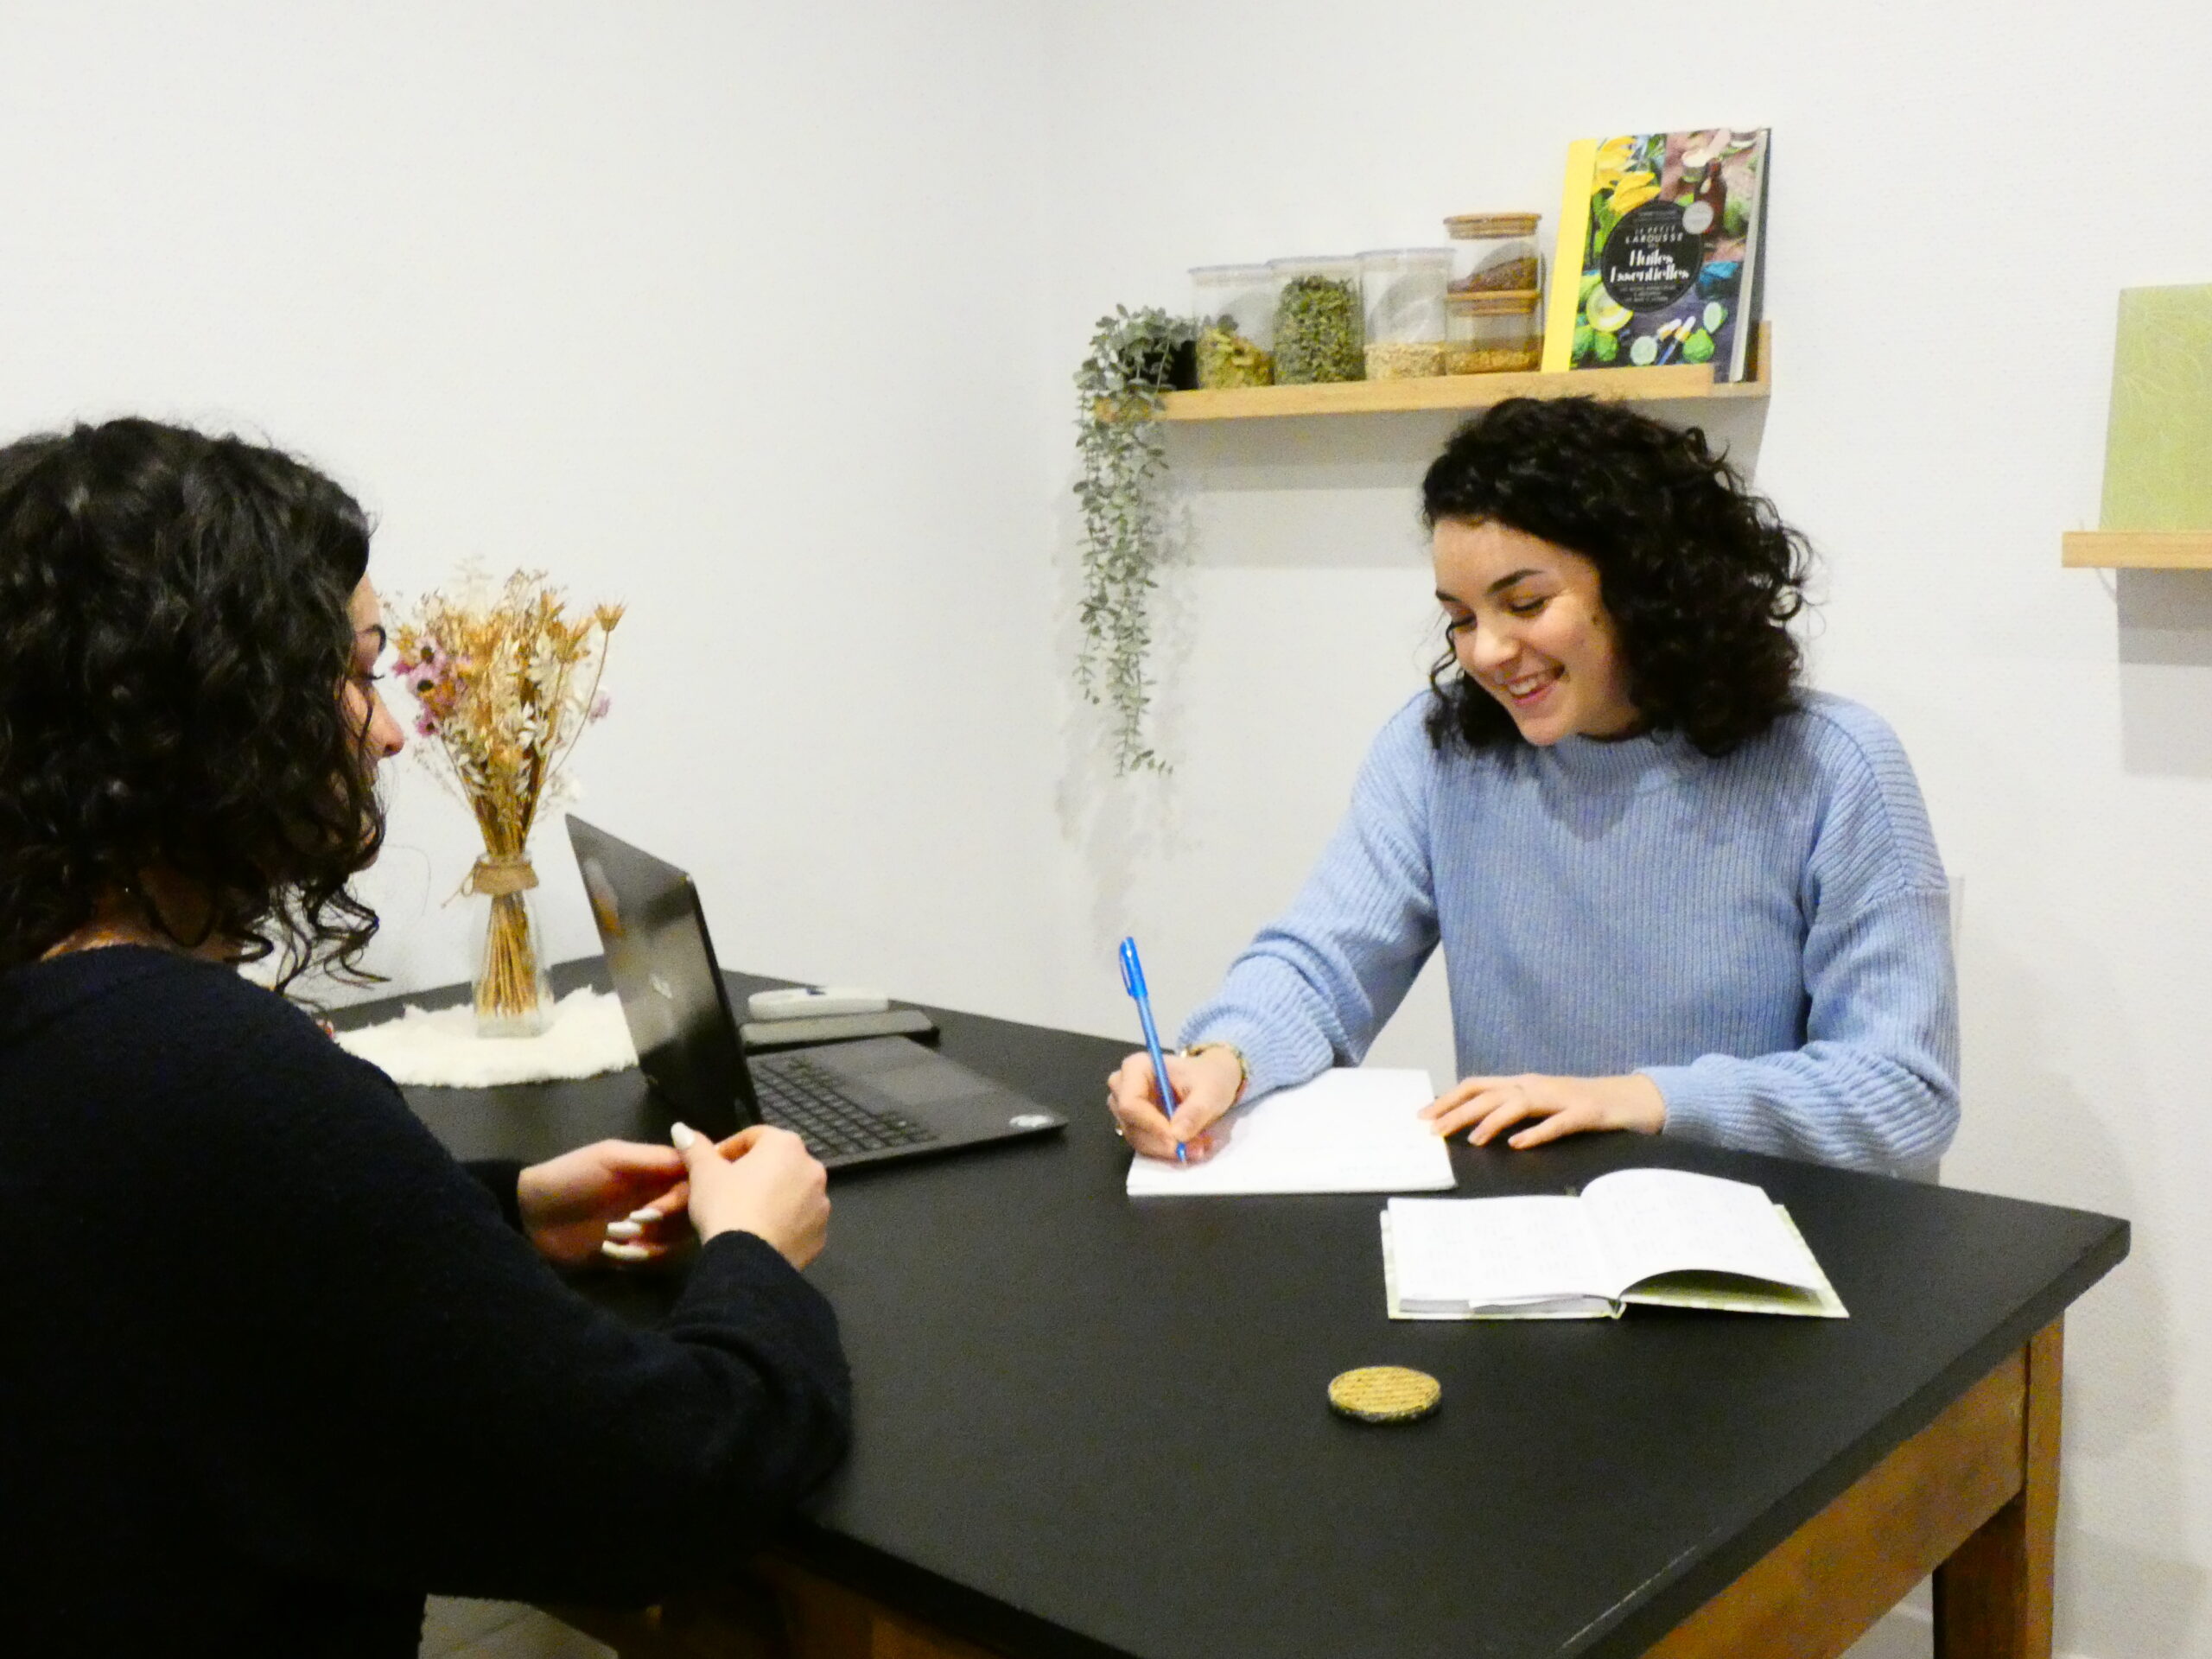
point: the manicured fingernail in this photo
(625, 1252)
(648, 1214)
(680, 1137)
(623, 1230)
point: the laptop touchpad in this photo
(924, 1085)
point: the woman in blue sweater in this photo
(1676, 892)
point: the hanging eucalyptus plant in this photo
(1134, 357)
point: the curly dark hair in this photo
(1697, 573)
(174, 639)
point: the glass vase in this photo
(513, 997)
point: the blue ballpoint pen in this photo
(1132, 982)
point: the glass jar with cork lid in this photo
(1493, 334)
(1494, 253)
(1402, 292)
(1234, 309)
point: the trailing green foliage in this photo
(1132, 360)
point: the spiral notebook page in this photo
(1350, 1130)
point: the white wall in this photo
(761, 319)
(730, 312)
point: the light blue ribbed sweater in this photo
(1764, 936)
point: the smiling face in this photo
(1528, 625)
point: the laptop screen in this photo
(662, 965)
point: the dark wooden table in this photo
(1091, 1427)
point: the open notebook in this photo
(1664, 1237)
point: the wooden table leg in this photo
(741, 1620)
(1816, 1592)
(827, 1621)
(1993, 1595)
(780, 1611)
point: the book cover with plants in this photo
(1658, 258)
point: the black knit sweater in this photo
(273, 1365)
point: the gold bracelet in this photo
(1243, 1067)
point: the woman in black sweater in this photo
(276, 1365)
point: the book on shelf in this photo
(1652, 1237)
(2160, 427)
(1659, 257)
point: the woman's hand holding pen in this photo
(1562, 1106)
(1205, 1085)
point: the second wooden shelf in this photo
(2137, 549)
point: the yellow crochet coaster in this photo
(1385, 1394)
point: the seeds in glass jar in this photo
(1505, 276)
(1492, 359)
(1405, 359)
(1317, 331)
(1227, 360)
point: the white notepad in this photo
(1350, 1130)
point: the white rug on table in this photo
(442, 1048)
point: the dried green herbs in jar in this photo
(1317, 331)
(1227, 360)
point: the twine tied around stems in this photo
(510, 986)
(497, 874)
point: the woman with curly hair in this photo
(1676, 892)
(277, 1364)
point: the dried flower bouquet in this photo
(505, 681)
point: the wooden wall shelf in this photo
(1674, 381)
(2138, 550)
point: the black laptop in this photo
(865, 1101)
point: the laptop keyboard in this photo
(798, 1096)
